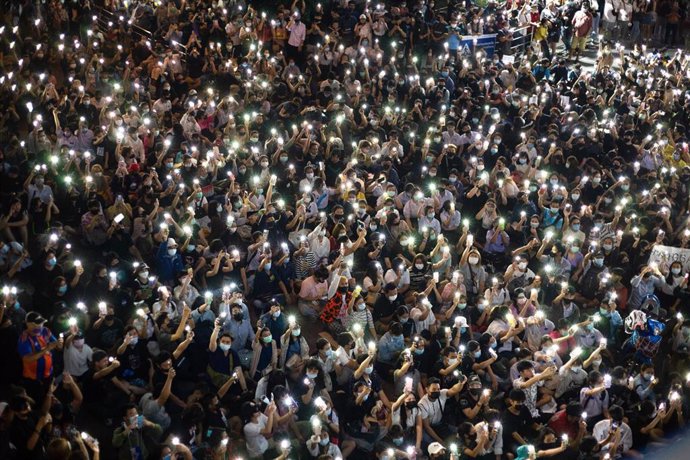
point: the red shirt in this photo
(560, 424)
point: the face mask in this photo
(134, 341)
(361, 306)
(267, 339)
(596, 180)
(434, 395)
(598, 262)
(267, 267)
(312, 375)
(575, 196)
(329, 353)
(675, 271)
(310, 176)
(296, 332)
(418, 351)
(392, 298)
(625, 187)
(224, 346)
(498, 140)
(647, 377)
(398, 441)
(534, 224)
(597, 362)
(607, 247)
(575, 249)
(52, 261)
(62, 289)
(473, 260)
(324, 441)
(477, 354)
(419, 266)
(238, 316)
(172, 251)
(453, 179)
(462, 306)
(431, 215)
(17, 305)
(494, 345)
(576, 227)
(144, 274)
(373, 227)
(452, 361)
(276, 314)
(369, 370)
(522, 266)
(78, 343)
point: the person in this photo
(136, 435)
(582, 25)
(35, 346)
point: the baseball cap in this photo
(435, 448)
(35, 317)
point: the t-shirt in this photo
(257, 444)
(77, 361)
(153, 411)
(433, 410)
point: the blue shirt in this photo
(168, 266)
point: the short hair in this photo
(524, 365)
(616, 413)
(517, 395)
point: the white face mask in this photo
(473, 260)
(419, 266)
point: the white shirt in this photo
(391, 276)
(257, 444)
(433, 410)
(601, 432)
(77, 361)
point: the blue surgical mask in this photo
(494, 345)
(598, 262)
(52, 261)
(398, 441)
(224, 346)
(369, 370)
(312, 375)
(62, 289)
(477, 354)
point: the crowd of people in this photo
(336, 230)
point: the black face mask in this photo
(343, 290)
(434, 395)
(475, 391)
(411, 404)
(109, 317)
(238, 316)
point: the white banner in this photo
(664, 256)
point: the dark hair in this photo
(616, 413)
(524, 365)
(126, 408)
(517, 395)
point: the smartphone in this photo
(119, 218)
(408, 384)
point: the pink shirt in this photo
(297, 34)
(310, 289)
